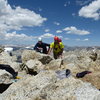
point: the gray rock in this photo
(34, 65)
(87, 92)
(54, 64)
(31, 54)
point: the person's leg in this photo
(59, 54)
(9, 69)
(55, 55)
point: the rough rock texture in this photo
(46, 86)
(5, 58)
(54, 64)
(5, 77)
(28, 86)
(87, 92)
(93, 78)
(34, 65)
(1, 49)
(29, 54)
(81, 60)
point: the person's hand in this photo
(40, 48)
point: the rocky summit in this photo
(41, 77)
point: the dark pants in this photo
(8, 69)
(57, 55)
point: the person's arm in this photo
(35, 47)
(47, 44)
(49, 51)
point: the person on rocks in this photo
(41, 46)
(57, 47)
(10, 70)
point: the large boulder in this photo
(54, 64)
(4, 76)
(28, 87)
(15, 66)
(31, 54)
(5, 58)
(87, 92)
(46, 86)
(82, 62)
(72, 58)
(5, 80)
(69, 89)
(93, 78)
(34, 65)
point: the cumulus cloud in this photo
(56, 23)
(91, 11)
(16, 19)
(74, 30)
(15, 38)
(59, 31)
(47, 35)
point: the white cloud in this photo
(17, 37)
(74, 30)
(47, 35)
(16, 19)
(19, 17)
(56, 23)
(91, 11)
(81, 3)
(47, 30)
(14, 38)
(82, 39)
(58, 31)
(86, 39)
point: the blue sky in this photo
(76, 22)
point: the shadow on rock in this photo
(4, 87)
